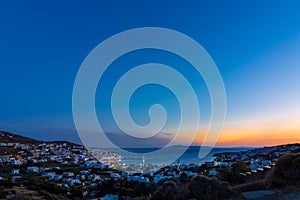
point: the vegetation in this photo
(203, 187)
(286, 174)
(286, 171)
(168, 191)
(232, 176)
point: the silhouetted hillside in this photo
(6, 137)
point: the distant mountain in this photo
(6, 137)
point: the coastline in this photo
(139, 159)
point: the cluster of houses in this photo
(51, 160)
(48, 160)
(259, 160)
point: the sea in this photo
(138, 156)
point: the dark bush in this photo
(167, 191)
(3, 194)
(287, 170)
(205, 188)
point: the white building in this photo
(15, 171)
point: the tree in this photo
(240, 166)
(167, 191)
(206, 188)
(183, 178)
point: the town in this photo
(75, 170)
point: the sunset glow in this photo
(256, 52)
(256, 135)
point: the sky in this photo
(255, 45)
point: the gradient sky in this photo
(255, 44)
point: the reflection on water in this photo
(139, 159)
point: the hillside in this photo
(6, 137)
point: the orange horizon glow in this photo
(250, 135)
(256, 139)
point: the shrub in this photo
(287, 170)
(3, 194)
(126, 192)
(205, 188)
(167, 191)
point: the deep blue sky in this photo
(255, 45)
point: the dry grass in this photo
(251, 186)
